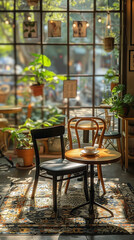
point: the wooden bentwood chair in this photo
(56, 169)
(93, 125)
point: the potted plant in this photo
(23, 139)
(111, 78)
(40, 74)
(120, 104)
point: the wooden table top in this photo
(86, 126)
(104, 156)
(104, 106)
(10, 109)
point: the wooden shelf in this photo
(125, 137)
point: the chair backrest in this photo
(48, 133)
(92, 124)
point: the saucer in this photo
(89, 154)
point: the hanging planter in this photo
(108, 44)
(32, 2)
(37, 89)
(108, 40)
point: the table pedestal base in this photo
(91, 202)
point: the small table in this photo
(105, 156)
(86, 126)
(10, 109)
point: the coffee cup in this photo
(89, 149)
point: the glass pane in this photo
(23, 93)
(102, 31)
(105, 60)
(81, 60)
(26, 32)
(6, 27)
(54, 96)
(6, 59)
(55, 27)
(100, 89)
(106, 4)
(81, 5)
(81, 28)
(58, 57)
(26, 5)
(6, 90)
(54, 5)
(24, 55)
(6, 5)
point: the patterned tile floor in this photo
(109, 171)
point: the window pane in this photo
(58, 57)
(81, 59)
(6, 5)
(24, 55)
(102, 31)
(30, 31)
(87, 27)
(100, 89)
(105, 60)
(6, 59)
(6, 90)
(106, 4)
(54, 5)
(23, 5)
(6, 27)
(59, 23)
(23, 93)
(81, 5)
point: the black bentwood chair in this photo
(58, 169)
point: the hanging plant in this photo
(108, 39)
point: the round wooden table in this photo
(10, 109)
(86, 126)
(104, 156)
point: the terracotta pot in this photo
(27, 155)
(113, 85)
(108, 44)
(126, 109)
(37, 89)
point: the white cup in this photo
(89, 149)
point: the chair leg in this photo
(35, 185)
(119, 149)
(67, 184)
(86, 185)
(60, 184)
(55, 193)
(101, 177)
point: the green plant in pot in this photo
(120, 104)
(40, 74)
(111, 78)
(22, 138)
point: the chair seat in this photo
(58, 168)
(111, 134)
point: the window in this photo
(77, 56)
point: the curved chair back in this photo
(92, 124)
